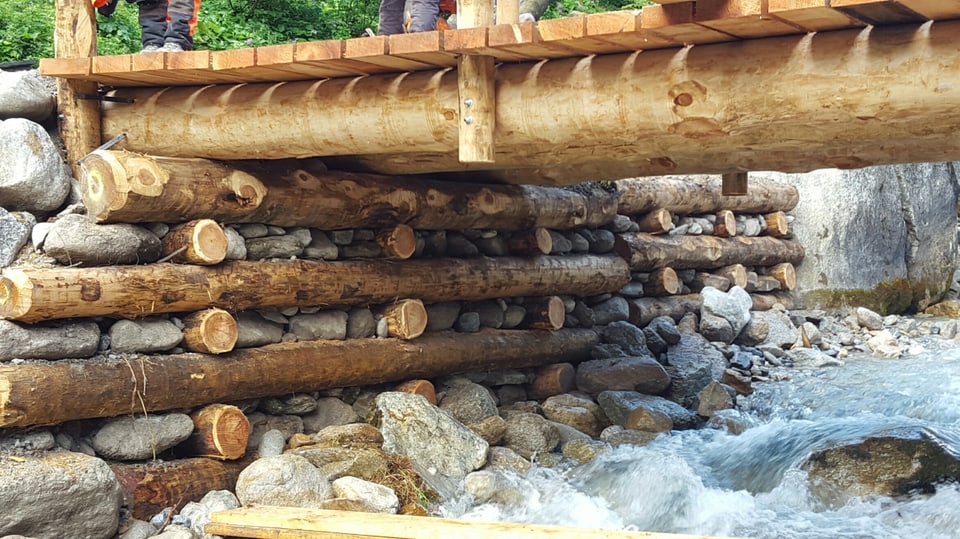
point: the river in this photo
(712, 482)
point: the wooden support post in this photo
(75, 36)
(508, 12)
(734, 184)
(476, 82)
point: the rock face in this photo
(893, 463)
(882, 237)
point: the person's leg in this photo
(153, 22)
(391, 17)
(424, 15)
(182, 22)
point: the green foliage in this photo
(26, 29)
(562, 8)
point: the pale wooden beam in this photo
(476, 82)
(734, 184)
(75, 36)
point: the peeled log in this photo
(399, 242)
(777, 224)
(45, 393)
(220, 431)
(703, 194)
(646, 252)
(290, 193)
(406, 319)
(151, 487)
(621, 108)
(33, 294)
(643, 310)
(785, 274)
(196, 242)
(726, 224)
(211, 331)
(658, 221)
(534, 242)
(544, 313)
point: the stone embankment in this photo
(551, 345)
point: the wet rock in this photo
(530, 434)
(884, 345)
(619, 405)
(55, 340)
(286, 479)
(616, 435)
(896, 462)
(576, 411)
(714, 398)
(504, 458)
(584, 450)
(869, 319)
(141, 438)
(441, 448)
(692, 364)
(733, 306)
(382, 499)
(780, 330)
(84, 503)
(811, 358)
(496, 486)
(642, 374)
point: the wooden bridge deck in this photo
(671, 24)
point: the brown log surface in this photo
(646, 252)
(201, 241)
(286, 193)
(44, 393)
(210, 331)
(220, 431)
(32, 294)
(643, 310)
(406, 319)
(702, 194)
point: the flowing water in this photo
(750, 485)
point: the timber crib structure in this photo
(476, 128)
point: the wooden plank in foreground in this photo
(812, 15)
(878, 12)
(298, 523)
(741, 18)
(935, 9)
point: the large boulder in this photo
(25, 94)
(882, 237)
(33, 176)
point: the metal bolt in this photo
(468, 120)
(468, 102)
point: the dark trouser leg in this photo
(391, 17)
(424, 16)
(153, 22)
(183, 21)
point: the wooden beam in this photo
(75, 37)
(646, 252)
(476, 84)
(45, 393)
(811, 15)
(878, 12)
(33, 294)
(622, 109)
(734, 184)
(299, 523)
(699, 195)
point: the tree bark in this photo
(151, 487)
(220, 431)
(785, 273)
(777, 224)
(45, 393)
(553, 380)
(200, 242)
(534, 242)
(765, 302)
(290, 193)
(398, 242)
(703, 194)
(643, 310)
(726, 224)
(33, 294)
(211, 331)
(645, 252)
(75, 36)
(658, 221)
(406, 319)
(544, 313)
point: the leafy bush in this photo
(26, 29)
(562, 8)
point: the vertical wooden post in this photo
(75, 36)
(508, 12)
(734, 184)
(476, 80)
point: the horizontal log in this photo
(45, 393)
(619, 106)
(210, 331)
(293, 193)
(220, 431)
(201, 241)
(703, 194)
(646, 252)
(32, 294)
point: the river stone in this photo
(361, 323)
(504, 458)
(530, 434)
(642, 374)
(490, 428)
(254, 330)
(692, 364)
(381, 498)
(468, 402)
(628, 337)
(298, 404)
(780, 330)
(33, 440)
(152, 334)
(733, 306)
(336, 462)
(141, 438)
(811, 358)
(75, 240)
(260, 424)
(271, 443)
(441, 448)
(52, 340)
(59, 494)
(33, 176)
(616, 436)
(497, 486)
(286, 479)
(869, 319)
(576, 411)
(25, 94)
(714, 398)
(329, 411)
(138, 529)
(322, 325)
(198, 513)
(618, 405)
(863, 228)
(15, 231)
(615, 309)
(895, 462)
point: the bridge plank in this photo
(676, 22)
(424, 47)
(740, 18)
(878, 12)
(935, 9)
(375, 51)
(812, 15)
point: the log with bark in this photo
(287, 193)
(210, 331)
(643, 310)
(778, 225)
(399, 242)
(406, 319)
(530, 242)
(658, 221)
(735, 273)
(726, 224)
(45, 393)
(220, 431)
(150, 487)
(543, 313)
(766, 302)
(662, 282)
(33, 294)
(784, 273)
(645, 252)
(200, 241)
(703, 194)
(712, 120)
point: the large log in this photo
(46, 393)
(616, 108)
(702, 194)
(220, 431)
(646, 252)
(292, 193)
(33, 294)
